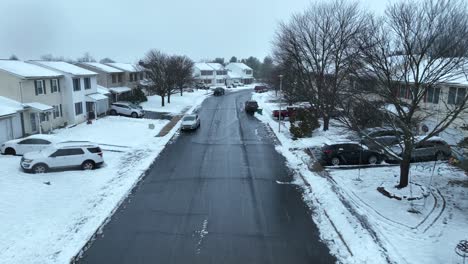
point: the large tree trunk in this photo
(181, 91)
(404, 169)
(326, 122)
(162, 100)
(169, 97)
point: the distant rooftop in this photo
(203, 66)
(240, 65)
(128, 67)
(102, 67)
(216, 66)
(26, 70)
(65, 67)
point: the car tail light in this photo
(327, 151)
(100, 154)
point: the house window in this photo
(114, 78)
(131, 77)
(205, 73)
(87, 83)
(78, 108)
(120, 77)
(141, 75)
(220, 81)
(456, 95)
(54, 86)
(433, 95)
(248, 72)
(403, 92)
(220, 73)
(44, 117)
(40, 87)
(76, 84)
(207, 81)
(56, 111)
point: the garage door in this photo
(5, 130)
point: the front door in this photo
(32, 117)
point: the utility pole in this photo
(279, 114)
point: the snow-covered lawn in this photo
(48, 218)
(421, 231)
(179, 103)
(358, 223)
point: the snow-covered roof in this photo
(65, 67)
(102, 67)
(128, 67)
(26, 70)
(39, 106)
(240, 65)
(119, 90)
(97, 97)
(102, 90)
(216, 66)
(9, 107)
(233, 75)
(203, 66)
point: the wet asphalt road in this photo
(212, 196)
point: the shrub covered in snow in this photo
(136, 96)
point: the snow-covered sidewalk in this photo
(358, 223)
(48, 218)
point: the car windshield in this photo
(189, 118)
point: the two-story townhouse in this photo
(242, 70)
(132, 74)
(39, 90)
(82, 98)
(203, 73)
(109, 78)
(220, 73)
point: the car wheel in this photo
(335, 161)
(113, 112)
(440, 156)
(373, 160)
(134, 115)
(39, 168)
(10, 151)
(87, 165)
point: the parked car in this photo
(260, 89)
(349, 153)
(201, 86)
(218, 91)
(84, 155)
(237, 84)
(284, 113)
(251, 106)
(434, 148)
(379, 137)
(127, 109)
(190, 122)
(27, 144)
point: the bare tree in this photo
(181, 71)
(86, 58)
(407, 58)
(50, 57)
(321, 45)
(155, 64)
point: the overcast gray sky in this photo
(125, 30)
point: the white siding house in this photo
(212, 74)
(242, 70)
(80, 86)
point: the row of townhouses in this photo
(213, 74)
(39, 96)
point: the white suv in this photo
(86, 155)
(126, 108)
